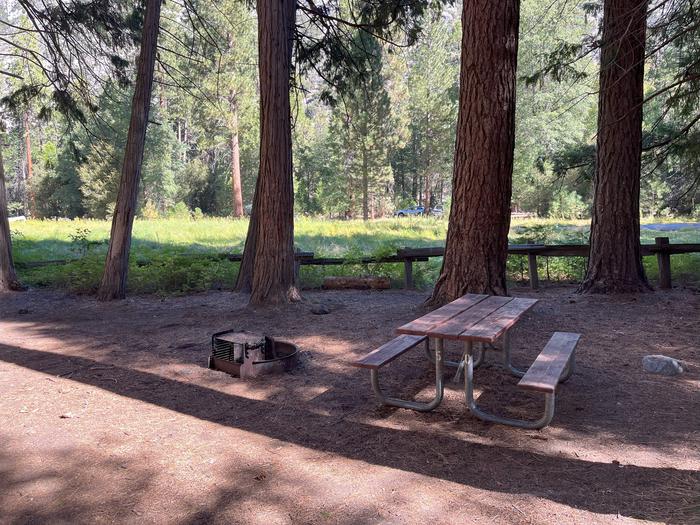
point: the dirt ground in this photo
(109, 415)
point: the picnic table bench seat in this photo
(553, 365)
(387, 353)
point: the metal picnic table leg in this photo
(486, 416)
(477, 362)
(506, 357)
(416, 405)
(454, 364)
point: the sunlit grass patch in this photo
(182, 255)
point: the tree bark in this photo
(244, 282)
(113, 284)
(236, 189)
(427, 154)
(365, 185)
(427, 195)
(30, 166)
(267, 269)
(477, 235)
(615, 263)
(8, 276)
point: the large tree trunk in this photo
(477, 236)
(615, 263)
(244, 282)
(113, 284)
(30, 166)
(267, 269)
(365, 185)
(427, 157)
(427, 195)
(8, 277)
(236, 189)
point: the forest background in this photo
(382, 146)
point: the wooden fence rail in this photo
(662, 249)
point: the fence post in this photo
(408, 273)
(664, 261)
(532, 270)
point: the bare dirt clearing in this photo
(110, 415)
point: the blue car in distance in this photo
(413, 210)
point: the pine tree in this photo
(477, 235)
(615, 263)
(363, 128)
(8, 276)
(267, 267)
(113, 283)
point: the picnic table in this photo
(487, 321)
(473, 318)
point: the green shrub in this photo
(14, 208)
(567, 205)
(173, 256)
(150, 211)
(179, 211)
(79, 241)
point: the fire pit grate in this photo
(246, 354)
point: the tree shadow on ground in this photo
(79, 484)
(603, 396)
(631, 490)
(68, 485)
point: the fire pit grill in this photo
(246, 354)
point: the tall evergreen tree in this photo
(113, 283)
(365, 133)
(615, 263)
(477, 235)
(268, 259)
(8, 277)
(225, 78)
(432, 84)
(267, 269)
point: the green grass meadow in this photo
(171, 256)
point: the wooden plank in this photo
(563, 250)
(389, 351)
(544, 374)
(297, 271)
(436, 251)
(358, 283)
(664, 262)
(524, 249)
(408, 273)
(423, 324)
(453, 327)
(532, 270)
(671, 248)
(329, 261)
(491, 328)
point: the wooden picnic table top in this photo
(472, 317)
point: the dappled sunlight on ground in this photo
(117, 418)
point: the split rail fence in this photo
(662, 249)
